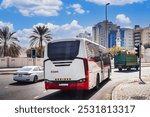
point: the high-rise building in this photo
(146, 35)
(122, 36)
(101, 33)
(112, 39)
(137, 35)
(128, 39)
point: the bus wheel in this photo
(97, 82)
(109, 74)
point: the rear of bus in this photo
(65, 66)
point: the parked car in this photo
(29, 74)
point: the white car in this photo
(29, 74)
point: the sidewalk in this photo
(6, 71)
(133, 90)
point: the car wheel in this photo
(120, 69)
(129, 69)
(35, 79)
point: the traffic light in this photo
(137, 50)
(33, 53)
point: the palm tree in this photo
(8, 43)
(40, 34)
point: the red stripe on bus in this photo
(76, 86)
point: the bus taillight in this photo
(86, 68)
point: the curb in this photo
(115, 92)
(6, 73)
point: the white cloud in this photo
(72, 26)
(23, 36)
(58, 31)
(68, 12)
(122, 18)
(34, 7)
(2, 24)
(66, 30)
(115, 2)
(70, 30)
(78, 8)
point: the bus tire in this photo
(97, 82)
(109, 74)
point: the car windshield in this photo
(26, 69)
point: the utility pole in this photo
(106, 18)
(140, 77)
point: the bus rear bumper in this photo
(71, 86)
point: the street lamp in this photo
(106, 10)
(106, 20)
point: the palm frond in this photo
(9, 46)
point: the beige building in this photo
(146, 35)
(128, 39)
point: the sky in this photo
(68, 18)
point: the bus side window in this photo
(106, 59)
(93, 52)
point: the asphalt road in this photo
(11, 90)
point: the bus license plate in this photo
(63, 84)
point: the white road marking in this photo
(36, 97)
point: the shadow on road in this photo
(24, 83)
(73, 94)
(126, 71)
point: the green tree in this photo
(114, 50)
(40, 34)
(8, 43)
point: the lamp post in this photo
(106, 19)
(106, 10)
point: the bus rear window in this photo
(66, 50)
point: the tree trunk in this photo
(41, 53)
(5, 48)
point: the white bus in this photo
(76, 63)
